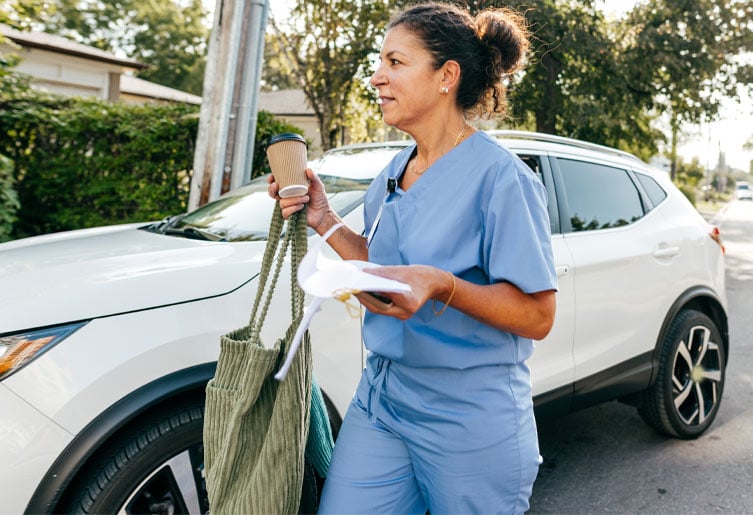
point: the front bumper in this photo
(29, 444)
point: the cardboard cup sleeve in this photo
(287, 159)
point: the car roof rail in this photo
(374, 144)
(551, 138)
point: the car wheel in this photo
(688, 390)
(157, 466)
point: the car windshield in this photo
(742, 186)
(244, 214)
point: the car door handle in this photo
(666, 252)
(562, 270)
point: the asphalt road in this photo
(606, 460)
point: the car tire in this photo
(685, 398)
(156, 466)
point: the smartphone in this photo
(378, 296)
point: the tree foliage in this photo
(573, 84)
(684, 57)
(169, 36)
(327, 45)
(277, 72)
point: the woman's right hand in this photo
(316, 198)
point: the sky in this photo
(705, 141)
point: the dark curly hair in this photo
(489, 49)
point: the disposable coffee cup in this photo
(287, 159)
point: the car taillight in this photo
(716, 235)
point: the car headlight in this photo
(19, 349)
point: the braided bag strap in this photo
(293, 238)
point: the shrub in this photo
(82, 162)
(267, 126)
(85, 162)
(688, 191)
(8, 199)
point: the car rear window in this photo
(599, 196)
(655, 192)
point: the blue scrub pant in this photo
(443, 440)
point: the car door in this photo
(621, 261)
(552, 361)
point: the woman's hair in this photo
(489, 48)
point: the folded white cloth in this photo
(324, 278)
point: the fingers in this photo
(381, 299)
(381, 308)
(292, 205)
(288, 205)
(272, 187)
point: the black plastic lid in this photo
(285, 136)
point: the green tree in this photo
(174, 44)
(327, 45)
(684, 57)
(277, 72)
(169, 36)
(748, 145)
(21, 14)
(574, 83)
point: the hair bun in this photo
(505, 35)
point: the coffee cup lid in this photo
(286, 136)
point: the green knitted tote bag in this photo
(255, 427)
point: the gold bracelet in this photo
(452, 294)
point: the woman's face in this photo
(407, 83)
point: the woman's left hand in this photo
(426, 282)
(501, 305)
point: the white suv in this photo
(743, 190)
(109, 335)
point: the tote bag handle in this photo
(294, 238)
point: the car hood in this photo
(78, 275)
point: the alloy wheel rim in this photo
(696, 376)
(175, 486)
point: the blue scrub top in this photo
(478, 212)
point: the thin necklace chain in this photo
(457, 140)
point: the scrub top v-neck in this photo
(478, 212)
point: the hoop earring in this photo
(445, 90)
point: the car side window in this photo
(534, 162)
(655, 192)
(599, 196)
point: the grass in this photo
(708, 208)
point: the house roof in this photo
(52, 43)
(135, 86)
(285, 102)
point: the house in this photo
(291, 106)
(135, 90)
(64, 67)
(61, 66)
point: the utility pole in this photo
(228, 115)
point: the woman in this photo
(442, 419)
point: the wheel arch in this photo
(53, 490)
(61, 475)
(699, 298)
